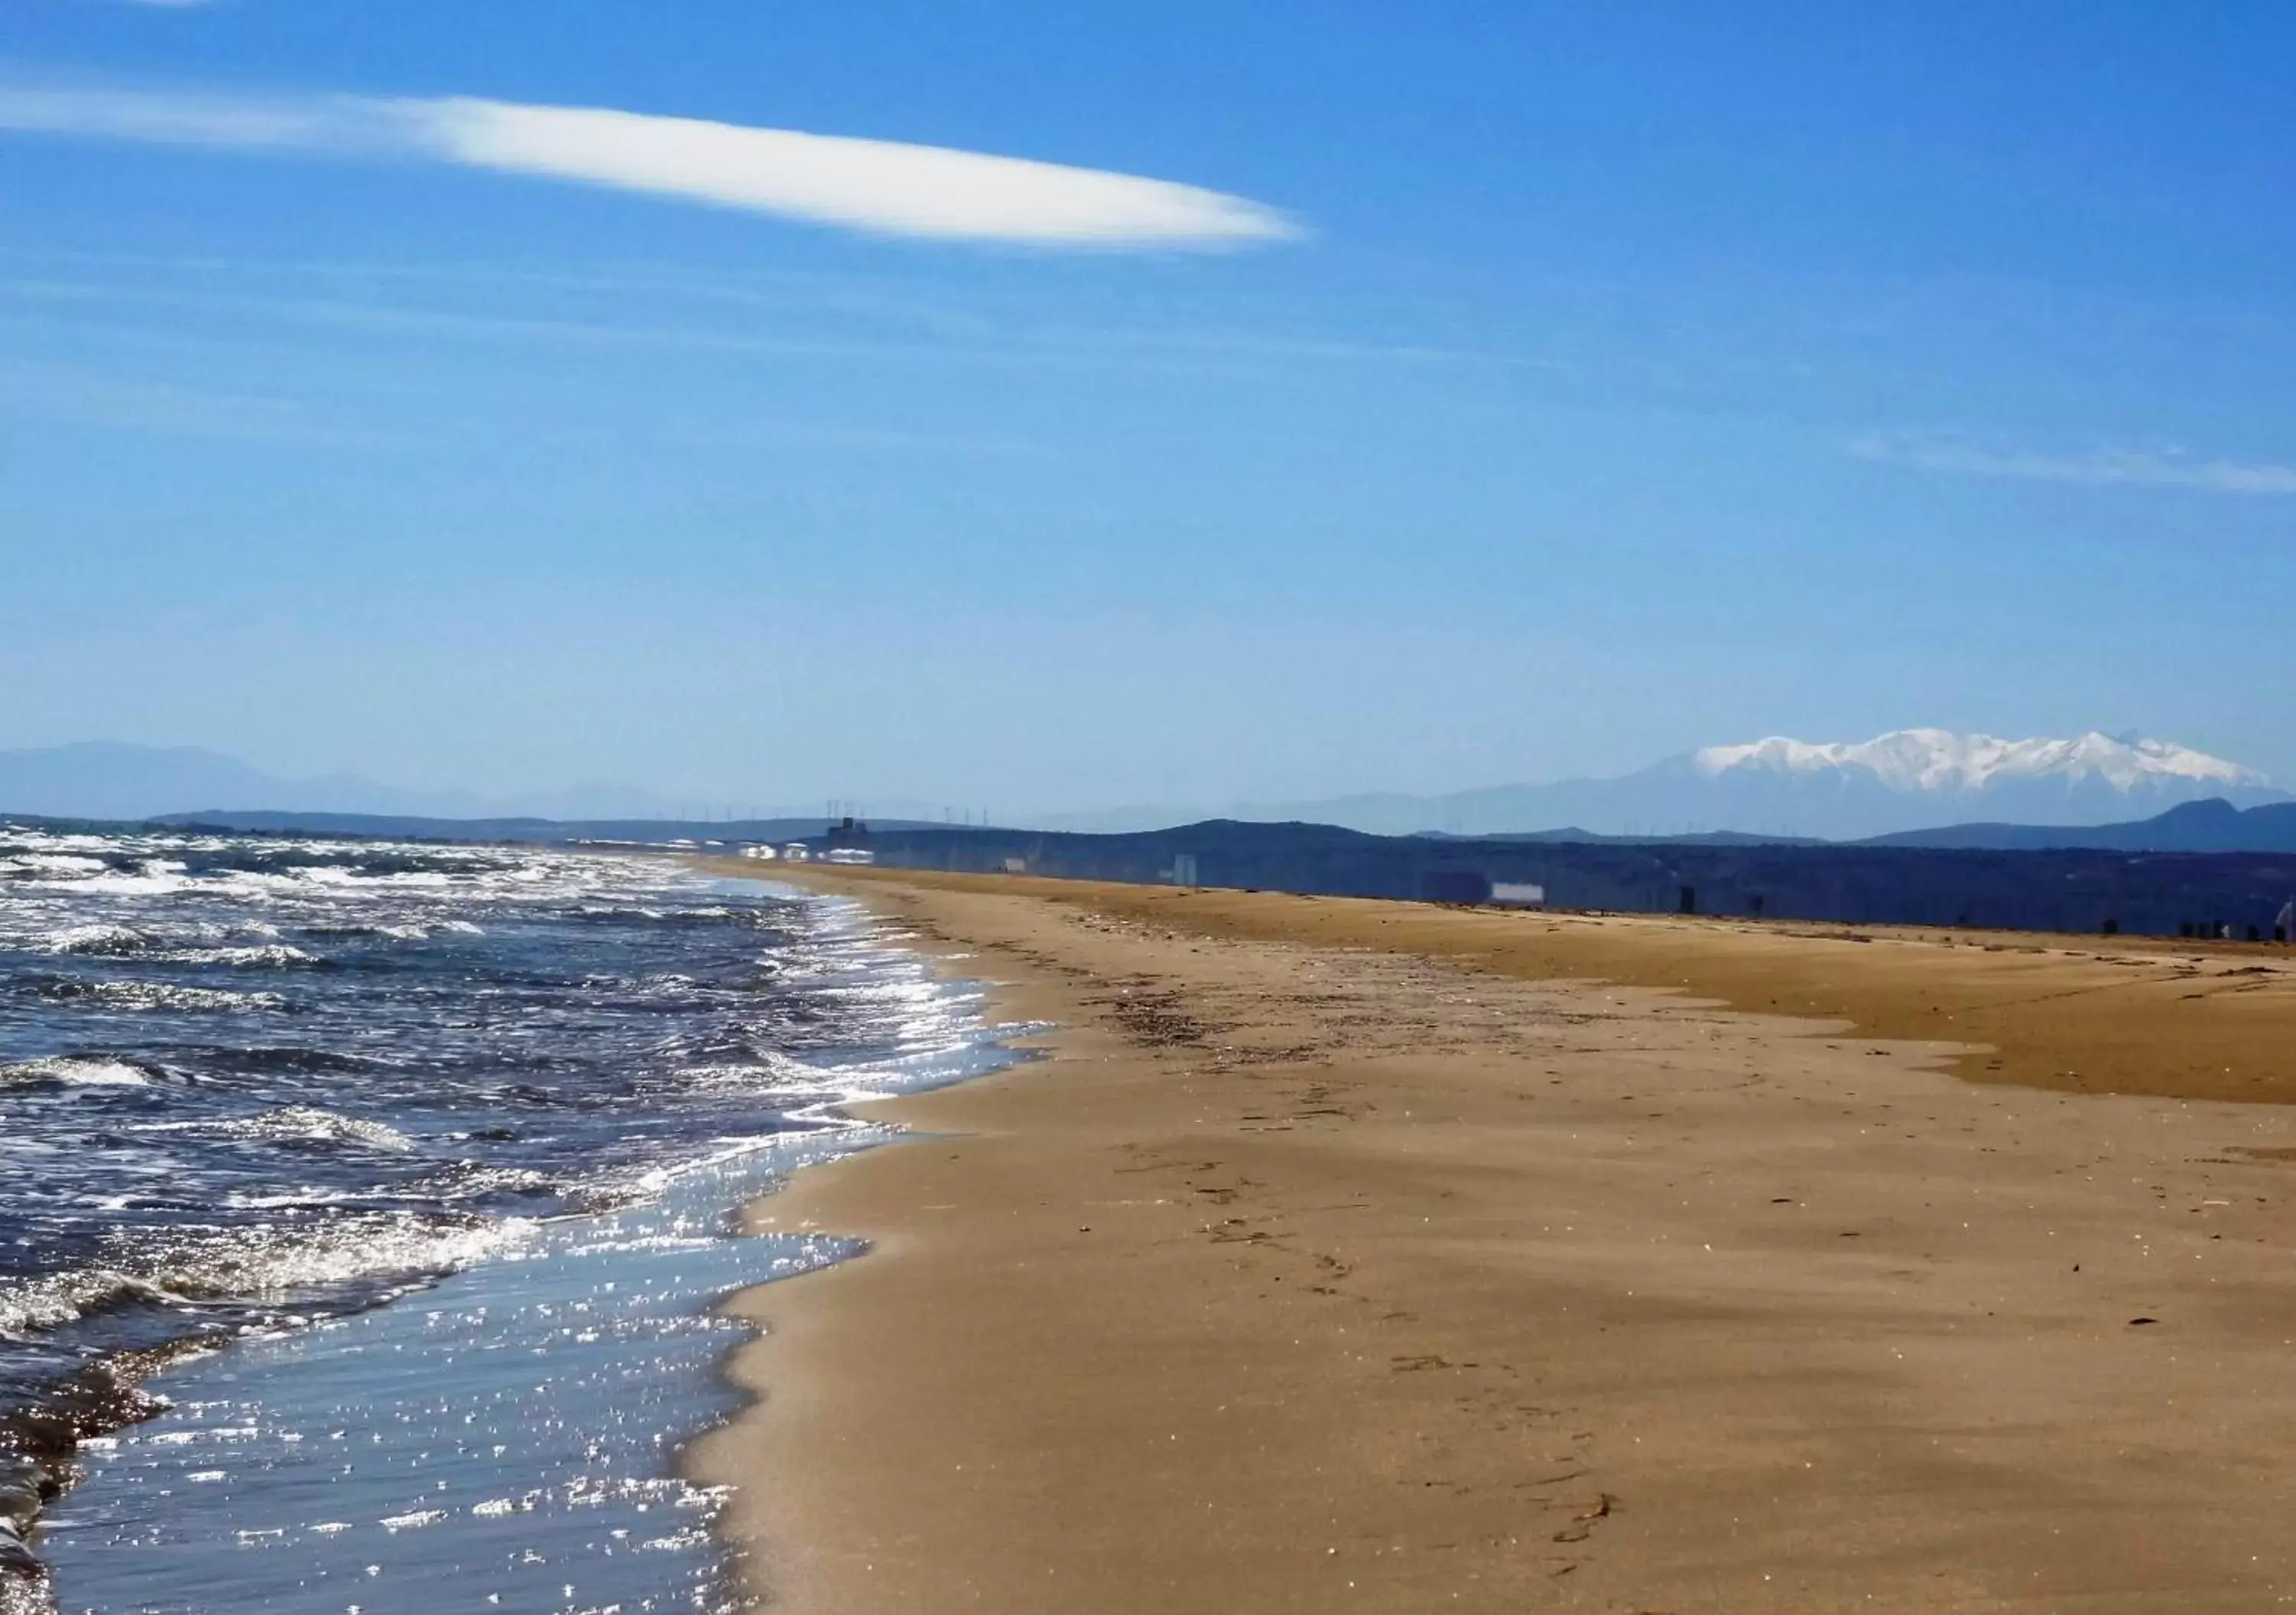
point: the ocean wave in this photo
(59, 840)
(299, 1199)
(394, 931)
(293, 1124)
(467, 1181)
(337, 876)
(97, 940)
(763, 1072)
(44, 1304)
(155, 995)
(52, 864)
(117, 884)
(267, 955)
(639, 1185)
(375, 1256)
(311, 1124)
(293, 1060)
(79, 1072)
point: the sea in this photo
(364, 1208)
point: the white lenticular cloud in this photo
(863, 184)
(883, 187)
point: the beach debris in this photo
(1582, 1523)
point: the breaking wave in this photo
(78, 1072)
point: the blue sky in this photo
(1493, 392)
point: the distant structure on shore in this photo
(845, 843)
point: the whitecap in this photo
(56, 863)
(78, 1072)
(64, 1298)
(97, 939)
(404, 1247)
(117, 884)
(309, 1121)
(270, 956)
(163, 996)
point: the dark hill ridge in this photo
(2214, 825)
(1700, 838)
(2061, 890)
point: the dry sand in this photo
(1355, 1256)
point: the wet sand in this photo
(1345, 1254)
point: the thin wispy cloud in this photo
(807, 320)
(2102, 468)
(880, 187)
(81, 395)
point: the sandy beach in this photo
(1344, 1255)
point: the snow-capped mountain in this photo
(1910, 779)
(1939, 760)
(1918, 778)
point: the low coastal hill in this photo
(2214, 825)
(2211, 825)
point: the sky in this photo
(1033, 406)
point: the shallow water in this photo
(251, 1091)
(503, 1441)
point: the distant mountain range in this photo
(1779, 788)
(1925, 780)
(108, 780)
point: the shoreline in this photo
(1315, 1268)
(516, 1401)
(758, 1554)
